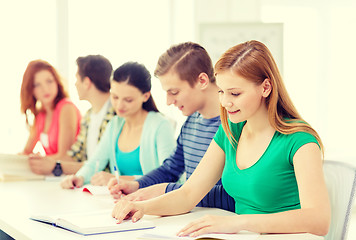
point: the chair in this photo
(340, 179)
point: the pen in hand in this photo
(116, 175)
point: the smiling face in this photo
(127, 99)
(179, 92)
(241, 98)
(45, 87)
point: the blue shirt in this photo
(128, 163)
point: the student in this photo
(56, 118)
(93, 84)
(269, 158)
(138, 139)
(186, 74)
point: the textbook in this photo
(89, 223)
(15, 167)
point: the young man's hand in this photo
(147, 192)
(122, 188)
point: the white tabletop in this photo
(19, 200)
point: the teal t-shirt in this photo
(128, 163)
(270, 185)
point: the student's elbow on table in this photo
(191, 200)
(321, 224)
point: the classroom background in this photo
(315, 56)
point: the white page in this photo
(95, 219)
(95, 190)
(169, 231)
(240, 236)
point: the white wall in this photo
(318, 59)
(318, 65)
(25, 35)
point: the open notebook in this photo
(92, 222)
(15, 167)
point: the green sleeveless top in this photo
(268, 186)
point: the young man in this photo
(186, 74)
(93, 85)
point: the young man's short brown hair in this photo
(188, 60)
(98, 69)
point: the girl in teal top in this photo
(138, 125)
(128, 162)
(269, 158)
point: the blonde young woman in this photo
(269, 158)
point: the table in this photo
(21, 199)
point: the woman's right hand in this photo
(126, 209)
(72, 181)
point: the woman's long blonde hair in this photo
(253, 61)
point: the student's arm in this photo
(67, 130)
(313, 217)
(87, 170)
(101, 155)
(207, 173)
(44, 165)
(70, 167)
(31, 141)
(217, 197)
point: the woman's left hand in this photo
(41, 165)
(211, 224)
(101, 178)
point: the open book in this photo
(15, 167)
(92, 222)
